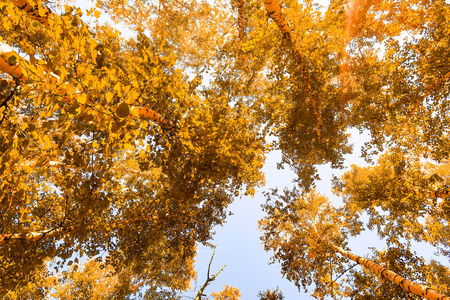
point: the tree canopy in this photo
(120, 154)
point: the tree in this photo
(401, 98)
(271, 295)
(404, 198)
(228, 293)
(132, 148)
(290, 82)
(306, 234)
(401, 94)
(85, 176)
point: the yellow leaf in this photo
(97, 14)
(81, 99)
(47, 142)
(118, 87)
(144, 124)
(109, 96)
(41, 11)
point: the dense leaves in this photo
(142, 192)
(271, 295)
(127, 151)
(228, 293)
(307, 236)
(402, 88)
(404, 199)
(297, 229)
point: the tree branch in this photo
(343, 272)
(32, 236)
(208, 278)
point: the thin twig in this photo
(345, 271)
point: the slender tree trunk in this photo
(209, 279)
(12, 64)
(274, 10)
(440, 194)
(135, 287)
(241, 19)
(36, 236)
(405, 284)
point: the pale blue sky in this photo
(238, 243)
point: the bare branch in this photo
(208, 278)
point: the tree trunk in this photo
(11, 63)
(37, 12)
(35, 236)
(405, 284)
(241, 19)
(274, 10)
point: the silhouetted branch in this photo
(208, 279)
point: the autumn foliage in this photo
(119, 154)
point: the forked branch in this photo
(208, 278)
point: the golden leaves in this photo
(109, 97)
(228, 293)
(36, 11)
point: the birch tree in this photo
(84, 176)
(133, 148)
(308, 236)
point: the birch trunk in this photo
(405, 284)
(241, 19)
(11, 63)
(35, 236)
(274, 10)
